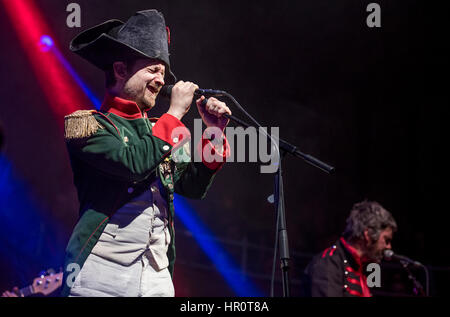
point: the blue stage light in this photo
(227, 267)
(24, 225)
(46, 43)
(95, 101)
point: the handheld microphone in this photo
(390, 255)
(166, 91)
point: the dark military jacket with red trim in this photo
(335, 272)
(115, 154)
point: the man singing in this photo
(123, 163)
(339, 271)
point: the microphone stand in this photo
(289, 148)
(281, 231)
(418, 288)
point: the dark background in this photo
(369, 101)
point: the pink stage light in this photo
(61, 91)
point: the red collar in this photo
(353, 252)
(358, 260)
(122, 107)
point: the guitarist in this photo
(44, 285)
(14, 293)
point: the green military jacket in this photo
(115, 154)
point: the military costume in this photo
(336, 272)
(119, 156)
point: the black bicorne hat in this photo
(144, 35)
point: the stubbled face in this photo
(144, 82)
(374, 250)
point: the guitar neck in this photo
(27, 291)
(45, 285)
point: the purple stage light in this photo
(45, 43)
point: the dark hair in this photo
(368, 215)
(110, 77)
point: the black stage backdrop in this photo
(368, 101)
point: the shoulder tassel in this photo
(80, 124)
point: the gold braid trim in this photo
(80, 124)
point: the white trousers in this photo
(103, 278)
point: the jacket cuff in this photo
(214, 152)
(169, 129)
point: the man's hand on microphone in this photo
(212, 112)
(181, 98)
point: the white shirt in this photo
(138, 226)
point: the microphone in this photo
(166, 91)
(390, 255)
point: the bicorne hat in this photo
(144, 35)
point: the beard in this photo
(141, 95)
(374, 254)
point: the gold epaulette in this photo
(80, 124)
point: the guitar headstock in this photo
(47, 284)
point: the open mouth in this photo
(153, 90)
